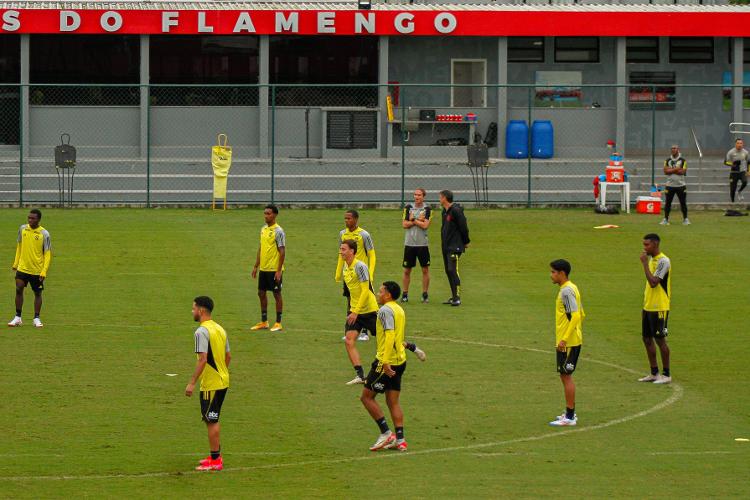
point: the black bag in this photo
(455, 141)
(734, 213)
(490, 138)
(65, 154)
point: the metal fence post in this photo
(403, 144)
(148, 146)
(653, 136)
(22, 95)
(273, 142)
(528, 160)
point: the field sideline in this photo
(91, 412)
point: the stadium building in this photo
(151, 81)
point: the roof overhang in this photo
(344, 18)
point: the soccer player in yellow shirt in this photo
(365, 253)
(268, 268)
(568, 337)
(33, 257)
(212, 369)
(387, 369)
(656, 301)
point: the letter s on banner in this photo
(404, 23)
(10, 20)
(445, 23)
(111, 21)
(69, 20)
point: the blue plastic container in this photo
(517, 139)
(542, 139)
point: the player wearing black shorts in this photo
(656, 302)
(416, 221)
(387, 369)
(269, 267)
(33, 257)
(568, 337)
(212, 369)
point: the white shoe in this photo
(420, 354)
(564, 422)
(685, 221)
(739, 196)
(38, 323)
(383, 441)
(363, 337)
(664, 222)
(356, 380)
(648, 378)
(16, 321)
(663, 380)
(562, 417)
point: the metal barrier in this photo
(344, 144)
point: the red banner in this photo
(376, 22)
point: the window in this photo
(10, 100)
(324, 60)
(642, 50)
(197, 61)
(470, 72)
(526, 49)
(577, 49)
(85, 59)
(691, 50)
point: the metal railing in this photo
(322, 144)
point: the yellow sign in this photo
(221, 161)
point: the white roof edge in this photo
(351, 5)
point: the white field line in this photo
(691, 453)
(677, 392)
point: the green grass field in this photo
(89, 410)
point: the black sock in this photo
(424, 295)
(264, 316)
(36, 315)
(359, 371)
(383, 425)
(570, 413)
(654, 370)
(411, 346)
(399, 433)
(665, 372)
(215, 454)
(278, 316)
(18, 313)
(405, 294)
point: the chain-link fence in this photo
(318, 144)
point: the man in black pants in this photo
(737, 159)
(454, 237)
(675, 167)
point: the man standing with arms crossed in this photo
(33, 257)
(656, 300)
(365, 253)
(568, 337)
(212, 369)
(416, 221)
(270, 262)
(675, 167)
(454, 236)
(387, 369)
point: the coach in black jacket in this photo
(454, 236)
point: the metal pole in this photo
(403, 145)
(528, 146)
(23, 94)
(273, 142)
(148, 146)
(653, 136)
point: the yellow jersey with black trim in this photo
(33, 250)
(390, 331)
(658, 298)
(357, 279)
(211, 338)
(569, 315)
(271, 239)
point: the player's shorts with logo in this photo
(30, 279)
(379, 382)
(211, 402)
(368, 321)
(654, 324)
(267, 281)
(568, 360)
(411, 254)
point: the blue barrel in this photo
(542, 139)
(517, 139)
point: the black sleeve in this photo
(407, 208)
(463, 228)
